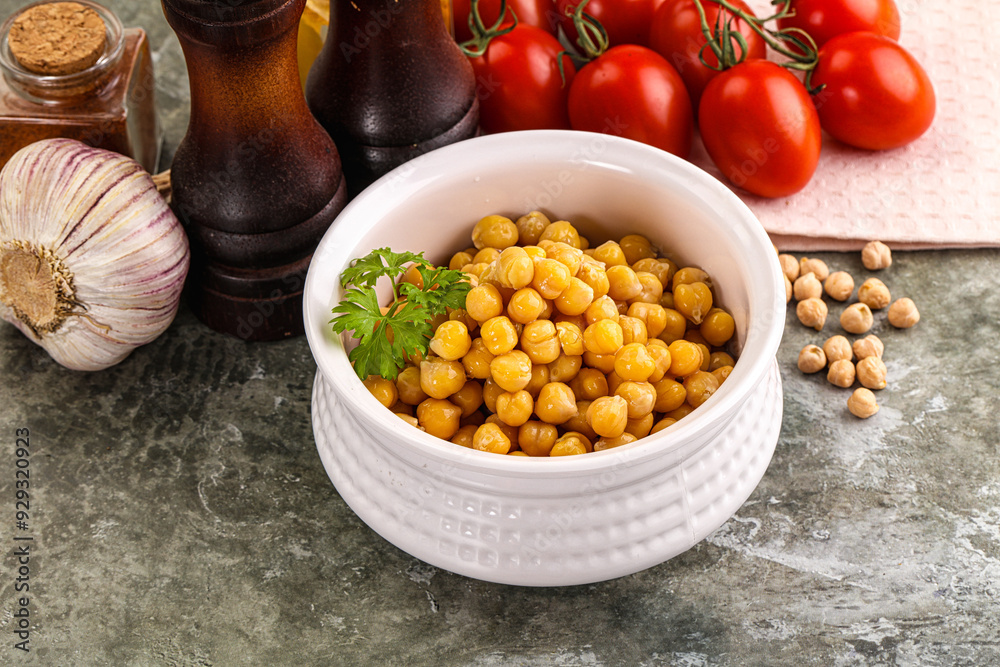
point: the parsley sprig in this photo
(408, 317)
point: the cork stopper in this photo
(57, 38)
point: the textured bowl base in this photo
(545, 540)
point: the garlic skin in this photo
(92, 259)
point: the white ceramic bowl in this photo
(567, 520)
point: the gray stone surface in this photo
(182, 515)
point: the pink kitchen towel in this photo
(943, 190)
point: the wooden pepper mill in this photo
(390, 84)
(256, 180)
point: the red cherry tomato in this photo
(760, 128)
(825, 19)
(518, 82)
(538, 13)
(875, 94)
(632, 92)
(676, 35)
(626, 21)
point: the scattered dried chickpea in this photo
(789, 266)
(871, 372)
(841, 373)
(874, 294)
(814, 265)
(862, 403)
(876, 255)
(903, 313)
(812, 359)
(812, 312)
(869, 346)
(839, 285)
(807, 286)
(857, 318)
(788, 289)
(836, 348)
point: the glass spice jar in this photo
(61, 79)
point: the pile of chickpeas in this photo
(846, 362)
(563, 348)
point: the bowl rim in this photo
(765, 323)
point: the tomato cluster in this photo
(658, 71)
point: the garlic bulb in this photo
(92, 260)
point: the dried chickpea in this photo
(722, 373)
(639, 427)
(494, 231)
(869, 346)
(862, 403)
(636, 247)
(602, 362)
(570, 444)
(410, 419)
(871, 372)
(561, 231)
(789, 266)
(807, 286)
(700, 386)
(459, 259)
(535, 252)
(603, 337)
(685, 358)
(578, 422)
(633, 330)
(857, 318)
(556, 403)
(499, 335)
(640, 397)
(652, 288)
(690, 275)
(660, 354)
(693, 300)
(490, 392)
(611, 253)
(841, 373)
(788, 290)
(594, 275)
(508, 430)
(477, 360)
(812, 359)
(839, 285)
(610, 443)
(525, 305)
(540, 341)
(440, 378)
(675, 326)
(608, 416)
(550, 278)
(530, 227)
(469, 398)
(812, 313)
(570, 338)
(566, 254)
(486, 255)
(512, 371)
(876, 255)
(514, 408)
(589, 384)
(874, 294)
(706, 356)
(681, 412)
(659, 269)
(623, 283)
(539, 378)
(514, 269)
(718, 359)
(477, 418)
(717, 327)
(400, 407)
(813, 265)
(451, 340)
(463, 437)
(439, 417)
(383, 390)
(476, 271)
(670, 395)
(633, 362)
(575, 299)
(667, 300)
(565, 367)
(614, 381)
(602, 308)
(903, 313)
(836, 348)
(536, 438)
(491, 438)
(662, 424)
(408, 386)
(484, 302)
(653, 316)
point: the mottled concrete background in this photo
(183, 517)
